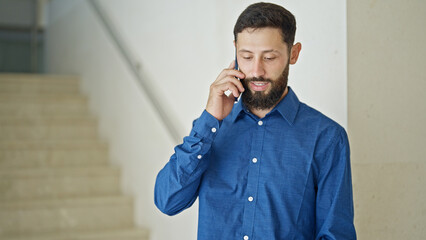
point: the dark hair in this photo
(260, 15)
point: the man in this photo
(267, 167)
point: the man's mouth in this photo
(259, 86)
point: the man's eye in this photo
(247, 57)
(269, 58)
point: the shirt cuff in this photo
(206, 127)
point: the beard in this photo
(261, 100)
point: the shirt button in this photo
(214, 130)
(199, 156)
(250, 199)
(246, 237)
(260, 123)
(254, 160)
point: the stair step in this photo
(57, 172)
(47, 120)
(58, 182)
(37, 89)
(55, 182)
(38, 84)
(37, 110)
(23, 158)
(123, 234)
(68, 144)
(26, 106)
(47, 131)
(43, 99)
(23, 79)
(79, 214)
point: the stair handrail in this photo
(134, 67)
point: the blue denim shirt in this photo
(285, 176)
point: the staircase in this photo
(55, 181)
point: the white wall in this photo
(182, 47)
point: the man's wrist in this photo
(206, 126)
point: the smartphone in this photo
(236, 68)
(236, 62)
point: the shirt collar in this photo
(287, 107)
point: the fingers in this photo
(230, 89)
(228, 83)
(223, 90)
(237, 83)
(219, 89)
(229, 76)
(231, 72)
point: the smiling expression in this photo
(263, 57)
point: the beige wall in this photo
(387, 116)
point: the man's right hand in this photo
(219, 105)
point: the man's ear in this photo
(294, 52)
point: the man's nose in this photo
(258, 69)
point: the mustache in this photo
(259, 79)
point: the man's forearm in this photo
(177, 183)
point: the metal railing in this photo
(134, 67)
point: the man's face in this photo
(263, 57)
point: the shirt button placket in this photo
(253, 178)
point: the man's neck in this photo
(261, 113)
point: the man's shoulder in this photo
(327, 133)
(318, 120)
